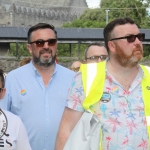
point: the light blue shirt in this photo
(39, 107)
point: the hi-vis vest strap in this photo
(146, 95)
(93, 77)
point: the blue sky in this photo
(93, 3)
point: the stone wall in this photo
(8, 63)
(56, 12)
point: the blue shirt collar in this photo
(36, 71)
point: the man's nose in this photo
(46, 45)
(99, 59)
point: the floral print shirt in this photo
(121, 113)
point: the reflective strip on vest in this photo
(91, 73)
(93, 94)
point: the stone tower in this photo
(30, 12)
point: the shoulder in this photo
(19, 71)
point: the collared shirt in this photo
(121, 113)
(39, 107)
(13, 134)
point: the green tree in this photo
(96, 18)
(22, 50)
(134, 9)
(91, 18)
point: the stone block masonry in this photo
(28, 13)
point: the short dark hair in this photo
(2, 78)
(110, 26)
(40, 26)
(92, 44)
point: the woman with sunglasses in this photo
(13, 135)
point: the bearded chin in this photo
(45, 63)
(128, 62)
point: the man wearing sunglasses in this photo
(36, 92)
(116, 91)
(95, 52)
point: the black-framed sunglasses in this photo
(1, 89)
(95, 58)
(40, 43)
(131, 38)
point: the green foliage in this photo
(64, 50)
(91, 18)
(22, 50)
(96, 18)
(134, 9)
(146, 50)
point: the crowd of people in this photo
(101, 103)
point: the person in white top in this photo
(13, 134)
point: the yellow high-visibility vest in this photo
(93, 78)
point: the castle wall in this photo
(25, 14)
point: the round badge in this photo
(3, 123)
(106, 97)
(148, 88)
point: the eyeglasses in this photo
(131, 38)
(95, 58)
(40, 43)
(1, 89)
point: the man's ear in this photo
(3, 93)
(112, 46)
(29, 48)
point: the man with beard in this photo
(118, 96)
(37, 91)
